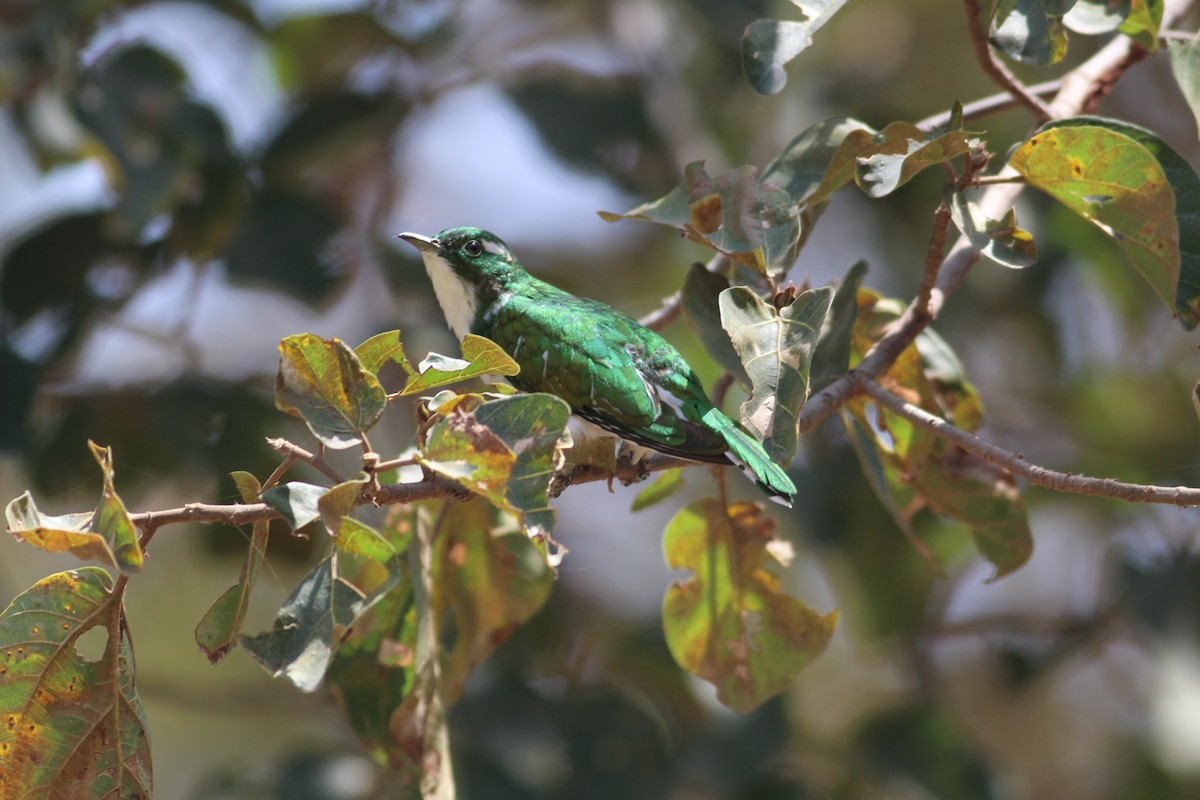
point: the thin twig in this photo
(435, 487)
(995, 70)
(314, 460)
(672, 306)
(935, 256)
(1016, 463)
(1001, 101)
(1078, 88)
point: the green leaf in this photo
(381, 349)
(702, 312)
(803, 165)
(1142, 24)
(1114, 182)
(1185, 184)
(1031, 31)
(776, 348)
(832, 354)
(219, 628)
(480, 357)
(1095, 17)
(339, 501)
(901, 150)
(755, 224)
(506, 450)
(1002, 240)
(69, 533)
(111, 519)
(1185, 64)
(488, 580)
(296, 501)
(662, 487)
(322, 382)
(73, 722)
(729, 623)
(984, 497)
(334, 594)
(373, 670)
(769, 44)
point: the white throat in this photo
(456, 297)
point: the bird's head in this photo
(474, 255)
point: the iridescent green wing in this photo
(571, 349)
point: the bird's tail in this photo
(748, 454)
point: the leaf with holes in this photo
(323, 382)
(75, 726)
(382, 349)
(730, 623)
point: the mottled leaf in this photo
(69, 533)
(757, 225)
(1185, 184)
(372, 671)
(831, 357)
(111, 519)
(901, 150)
(1116, 183)
(1095, 17)
(488, 580)
(381, 349)
(296, 501)
(219, 628)
(776, 348)
(1031, 31)
(769, 44)
(802, 166)
(730, 623)
(300, 645)
(338, 501)
(662, 487)
(73, 721)
(1142, 22)
(322, 382)
(480, 357)
(1003, 241)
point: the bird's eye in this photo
(473, 248)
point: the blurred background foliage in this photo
(184, 183)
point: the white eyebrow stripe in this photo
(495, 249)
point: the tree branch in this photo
(672, 306)
(432, 488)
(1079, 88)
(1016, 463)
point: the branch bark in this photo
(1016, 463)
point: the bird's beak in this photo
(423, 243)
